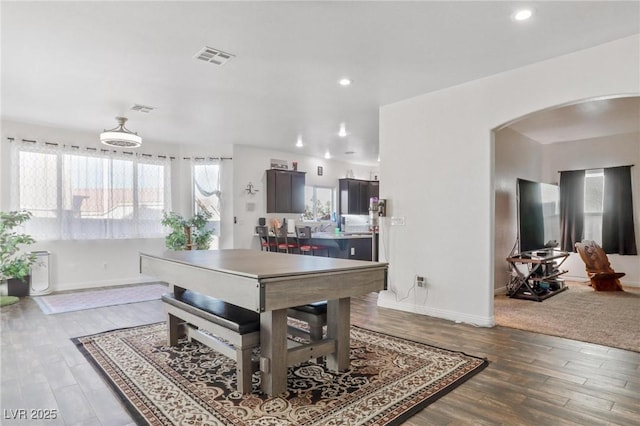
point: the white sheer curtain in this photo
(207, 193)
(75, 193)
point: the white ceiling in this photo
(79, 64)
(586, 120)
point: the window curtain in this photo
(80, 194)
(618, 234)
(571, 208)
(206, 179)
(208, 197)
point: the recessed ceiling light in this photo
(343, 131)
(299, 143)
(327, 155)
(523, 15)
(345, 81)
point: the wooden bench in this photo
(233, 331)
(315, 315)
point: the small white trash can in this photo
(40, 274)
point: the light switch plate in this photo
(397, 221)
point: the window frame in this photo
(593, 216)
(315, 200)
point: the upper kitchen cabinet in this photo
(355, 194)
(285, 191)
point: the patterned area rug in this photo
(80, 300)
(389, 380)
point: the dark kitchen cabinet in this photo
(355, 194)
(285, 191)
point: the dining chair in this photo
(282, 240)
(305, 243)
(266, 242)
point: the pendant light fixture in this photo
(120, 136)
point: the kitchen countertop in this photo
(340, 235)
(332, 235)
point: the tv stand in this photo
(540, 278)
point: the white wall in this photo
(516, 156)
(437, 154)
(250, 166)
(93, 263)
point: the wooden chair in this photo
(304, 241)
(282, 240)
(266, 243)
(601, 275)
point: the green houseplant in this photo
(187, 234)
(15, 265)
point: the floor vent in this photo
(214, 56)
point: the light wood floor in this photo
(532, 379)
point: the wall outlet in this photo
(421, 281)
(353, 251)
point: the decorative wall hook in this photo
(250, 189)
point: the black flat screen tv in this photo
(538, 214)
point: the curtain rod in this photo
(104, 150)
(594, 168)
(207, 158)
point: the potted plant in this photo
(15, 265)
(187, 234)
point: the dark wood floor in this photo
(532, 379)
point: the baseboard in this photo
(140, 279)
(438, 313)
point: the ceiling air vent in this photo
(142, 108)
(214, 56)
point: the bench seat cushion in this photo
(232, 317)
(315, 308)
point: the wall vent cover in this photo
(142, 108)
(214, 56)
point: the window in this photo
(593, 204)
(206, 196)
(318, 203)
(89, 195)
(597, 205)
